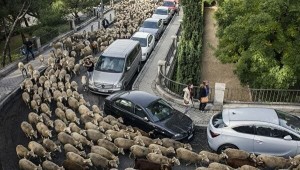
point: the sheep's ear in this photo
(290, 158)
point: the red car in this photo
(171, 4)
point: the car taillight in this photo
(213, 134)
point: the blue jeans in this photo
(27, 54)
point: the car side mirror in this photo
(127, 68)
(287, 137)
(145, 119)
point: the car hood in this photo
(106, 77)
(149, 30)
(144, 49)
(159, 16)
(172, 124)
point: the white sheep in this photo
(190, 156)
(100, 161)
(219, 166)
(160, 159)
(23, 152)
(28, 130)
(213, 157)
(104, 152)
(273, 162)
(43, 130)
(70, 148)
(48, 165)
(39, 150)
(26, 164)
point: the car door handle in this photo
(259, 141)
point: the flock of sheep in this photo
(90, 139)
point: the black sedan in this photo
(149, 113)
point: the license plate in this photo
(103, 90)
(190, 136)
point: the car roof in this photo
(141, 34)
(163, 7)
(152, 19)
(250, 114)
(120, 47)
(140, 98)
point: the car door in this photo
(150, 43)
(270, 140)
(160, 27)
(123, 108)
(143, 121)
(244, 137)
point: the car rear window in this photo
(217, 121)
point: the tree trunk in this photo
(23, 11)
(25, 21)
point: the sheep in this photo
(141, 151)
(70, 148)
(26, 98)
(48, 165)
(98, 117)
(167, 142)
(126, 143)
(100, 161)
(110, 146)
(104, 152)
(141, 131)
(295, 161)
(96, 109)
(47, 96)
(147, 141)
(190, 156)
(74, 128)
(46, 109)
(107, 126)
(61, 114)
(144, 164)
(218, 166)
(47, 120)
(236, 153)
(247, 167)
(28, 84)
(34, 105)
(235, 163)
(78, 159)
(273, 162)
(170, 151)
(131, 134)
(39, 150)
(35, 75)
(43, 130)
(87, 118)
(60, 126)
(78, 137)
(57, 96)
(76, 69)
(34, 118)
(120, 125)
(61, 86)
(21, 66)
(81, 101)
(117, 134)
(40, 91)
(71, 116)
(47, 84)
(90, 125)
(77, 96)
(23, 152)
(95, 135)
(70, 165)
(84, 110)
(68, 78)
(213, 157)
(51, 146)
(42, 80)
(37, 98)
(73, 103)
(74, 85)
(160, 159)
(28, 130)
(65, 138)
(28, 165)
(109, 118)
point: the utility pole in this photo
(101, 14)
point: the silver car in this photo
(256, 130)
(163, 13)
(153, 26)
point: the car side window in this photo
(263, 131)
(159, 23)
(150, 39)
(139, 112)
(273, 132)
(244, 129)
(124, 104)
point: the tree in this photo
(76, 6)
(262, 38)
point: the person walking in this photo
(203, 95)
(188, 97)
(89, 66)
(28, 46)
(105, 23)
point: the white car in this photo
(255, 130)
(163, 13)
(147, 41)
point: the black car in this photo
(149, 113)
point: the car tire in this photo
(139, 68)
(225, 146)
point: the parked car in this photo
(116, 66)
(163, 13)
(171, 4)
(256, 130)
(154, 26)
(146, 41)
(149, 113)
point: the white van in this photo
(116, 66)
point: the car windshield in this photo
(289, 121)
(143, 41)
(161, 12)
(110, 64)
(160, 110)
(149, 24)
(168, 4)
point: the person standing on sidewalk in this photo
(203, 95)
(28, 46)
(188, 97)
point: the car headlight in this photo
(118, 85)
(178, 135)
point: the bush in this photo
(46, 33)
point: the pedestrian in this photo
(203, 95)
(105, 23)
(89, 66)
(28, 46)
(177, 8)
(188, 97)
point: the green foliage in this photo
(190, 43)
(51, 17)
(262, 37)
(75, 6)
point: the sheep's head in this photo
(175, 161)
(58, 148)
(79, 145)
(204, 158)
(252, 157)
(116, 127)
(48, 155)
(31, 153)
(188, 146)
(108, 137)
(223, 155)
(113, 164)
(88, 161)
(139, 141)
(90, 143)
(49, 133)
(101, 129)
(157, 141)
(121, 150)
(120, 119)
(127, 135)
(34, 133)
(171, 150)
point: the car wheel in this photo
(139, 68)
(225, 146)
